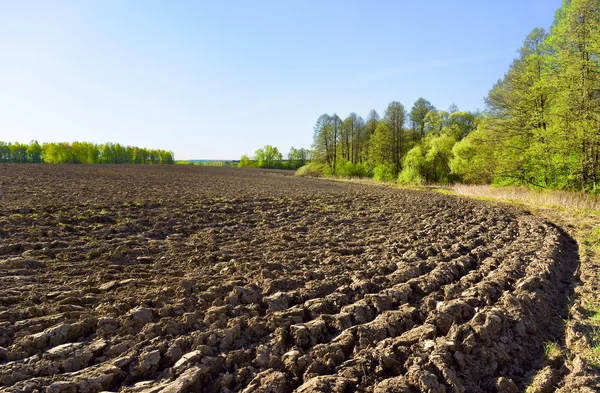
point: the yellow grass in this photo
(570, 199)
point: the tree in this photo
(325, 140)
(519, 106)
(75, 153)
(435, 121)
(575, 43)
(18, 152)
(34, 152)
(297, 158)
(4, 152)
(437, 158)
(246, 162)
(369, 130)
(352, 135)
(268, 157)
(387, 144)
(461, 123)
(372, 121)
(473, 158)
(417, 116)
(395, 118)
(381, 151)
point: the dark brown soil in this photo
(194, 279)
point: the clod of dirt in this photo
(506, 385)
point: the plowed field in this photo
(191, 279)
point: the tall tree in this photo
(395, 117)
(388, 142)
(34, 151)
(519, 104)
(297, 157)
(435, 121)
(352, 132)
(575, 39)
(370, 127)
(325, 139)
(417, 116)
(268, 157)
(372, 121)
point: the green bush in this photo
(348, 169)
(410, 176)
(312, 170)
(383, 172)
(246, 162)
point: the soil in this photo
(200, 279)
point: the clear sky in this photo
(218, 79)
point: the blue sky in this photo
(220, 79)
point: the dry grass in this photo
(576, 200)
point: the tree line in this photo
(540, 127)
(411, 146)
(270, 157)
(81, 153)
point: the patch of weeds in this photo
(593, 354)
(552, 350)
(594, 357)
(592, 240)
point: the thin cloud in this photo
(409, 68)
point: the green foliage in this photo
(355, 148)
(312, 169)
(327, 132)
(410, 176)
(246, 162)
(352, 139)
(418, 117)
(297, 158)
(82, 153)
(472, 159)
(268, 157)
(383, 172)
(541, 128)
(437, 158)
(34, 152)
(395, 117)
(460, 124)
(349, 169)
(207, 163)
(435, 121)
(415, 158)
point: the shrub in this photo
(410, 176)
(383, 172)
(246, 162)
(348, 169)
(312, 170)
